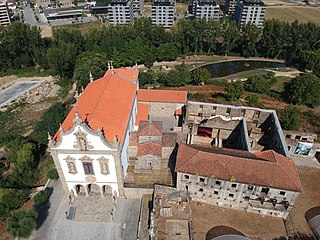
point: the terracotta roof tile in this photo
(266, 168)
(106, 103)
(169, 139)
(147, 128)
(149, 148)
(143, 113)
(146, 95)
(133, 140)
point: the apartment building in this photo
(250, 11)
(207, 9)
(138, 6)
(4, 14)
(120, 12)
(230, 6)
(163, 12)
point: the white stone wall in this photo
(236, 195)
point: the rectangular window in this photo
(201, 106)
(282, 193)
(199, 114)
(202, 179)
(186, 176)
(215, 192)
(218, 182)
(88, 169)
(200, 189)
(234, 185)
(228, 110)
(250, 187)
(231, 195)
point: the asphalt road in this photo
(15, 90)
(29, 17)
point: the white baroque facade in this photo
(83, 157)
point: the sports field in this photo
(291, 13)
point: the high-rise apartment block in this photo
(4, 14)
(120, 12)
(230, 6)
(206, 9)
(163, 12)
(250, 11)
(138, 6)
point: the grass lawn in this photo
(291, 13)
(279, 84)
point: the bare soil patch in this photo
(309, 198)
(205, 217)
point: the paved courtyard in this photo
(16, 90)
(55, 225)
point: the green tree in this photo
(41, 197)
(89, 62)
(21, 223)
(26, 157)
(304, 89)
(259, 83)
(62, 59)
(250, 36)
(49, 122)
(253, 100)
(167, 52)
(233, 90)
(184, 72)
(11, 199)
(290, 118)
(311, 60)
(200, 75)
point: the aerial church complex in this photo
(228, 156)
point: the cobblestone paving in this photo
(57, 227)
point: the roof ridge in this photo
(285, 172)
(189, 158)
(126, 79)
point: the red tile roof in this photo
(146, 95)
(169, 139)
(266, 168)
(106, 104)
(143, 113)
(147, 128)
(149, 148)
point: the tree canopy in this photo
(304, 89)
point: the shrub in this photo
(41, 197)
(52, 174)
(21, 223)
(233, 91)
(253, 100)
(290, 118)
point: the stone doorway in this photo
(93, 190)
(107, 191)
(80, 190)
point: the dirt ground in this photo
(291, 13)
(309, 198)
(205, 217)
